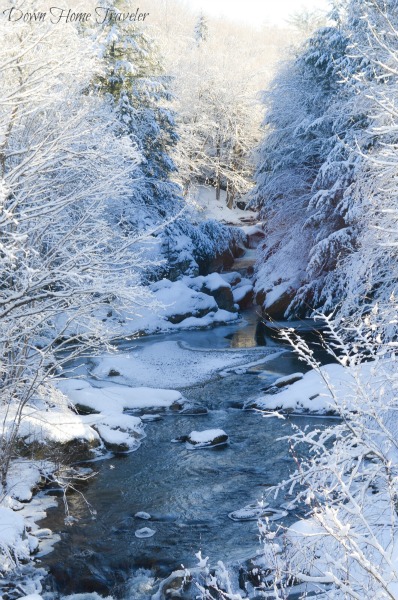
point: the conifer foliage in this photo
(323, 131)
(134, 77)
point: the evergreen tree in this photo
(201, 30)
(306, 166)
(133, 75)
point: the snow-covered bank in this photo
(49, 426)
(20, 535)
(188, 303)
(51, 423)
(347, 485)
(329, 390)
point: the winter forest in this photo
(198, 312)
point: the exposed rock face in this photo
(223, 260)
(243, 295)
(260, 298)
(113, 373)
(198, 313)
(278, 307)
(223, 296)
(255, 235)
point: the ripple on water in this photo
(188, 495)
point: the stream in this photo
(188, 493)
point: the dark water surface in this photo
(188, 493)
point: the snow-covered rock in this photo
(116, 398)
(233, 278)
(288, 379)
(49, 420)
(173, 305)
(216, 286)
(180, 301)
(221, 291)
(104, 408)
(243, 295)
(207, 438)
(120, 433)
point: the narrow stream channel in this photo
(188, 493)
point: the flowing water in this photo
(188, 493)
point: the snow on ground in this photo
(169, 365)
(179, 299)
(204, 200)
(13, 545)
(323, 391)
(19, 533)
(175, 305)
(349, 539)
(42, 424)
(114, 399)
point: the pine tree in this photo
(134, 76)
(201, 30)
(306, 166)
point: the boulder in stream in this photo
(233, 278)
(206, 439)
(276, 386)
(216, 286)
(243, 295)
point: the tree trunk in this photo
(230, 195)
(218, 174)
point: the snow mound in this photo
(115, 399)
(41, 425)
